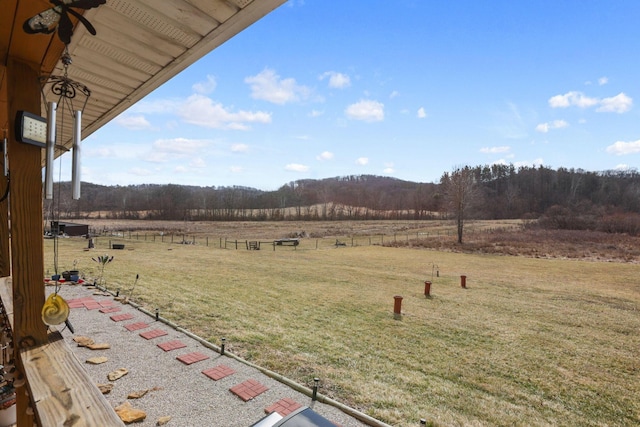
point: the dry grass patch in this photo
(531, 342)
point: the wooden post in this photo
(5, 263)
(27, 257)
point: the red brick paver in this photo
(172, 345)
(190, 358)
(135, 326)
(110, 309)
(153, 334)
(121, 317)
(248, 389)
(283, 407)
(92, 305)
(218, 372)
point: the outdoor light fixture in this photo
(222, 346)
(316, 382)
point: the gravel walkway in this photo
(175, 389)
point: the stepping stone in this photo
(97, 360)
(118, 373)
(219, 372)
(172, 345)
(248, 389)
(100, 346)
(136, 326)
(110, 309)
(128, 414)
(283, 407)
(106, 303)
(92, 305)
(83, 341)
(75, 304)
(121, 317)
(153, 334)
(190, 358)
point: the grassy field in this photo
(529, 342)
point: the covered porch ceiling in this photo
(140, 44)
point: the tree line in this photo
(499, 192)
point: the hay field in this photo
(530, 342)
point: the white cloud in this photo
(575, 99)
(197, 162)
(268, 86)
(236, 169)
(325, 155)
(603, 81)
(180, 169)
(621, 148)
(556, 124)
(366, 110)
(620, 103)
(495, 150)
(239, 148)
(203, 111)
(140, 171)
(156, 157)
(421, 113)
(315, 113)
(336, 80)
(362, 161)
(394, 94)
(133, 122)
(622, 167)
(389, 168)
(296, 167)
(179, 145)
(205, 87)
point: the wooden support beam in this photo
(25, 210)
(5, 262)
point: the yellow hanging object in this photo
(55, 310)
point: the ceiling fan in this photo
(48, 20)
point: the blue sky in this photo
(407, 89)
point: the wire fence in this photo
(118, 239)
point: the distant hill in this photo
(505, 192)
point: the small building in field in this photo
(69, 228)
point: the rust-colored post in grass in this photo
(427, 288)
(397, 307)
(463, 281)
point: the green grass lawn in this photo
(530, 342)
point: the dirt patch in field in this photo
(536, 243)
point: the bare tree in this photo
(460, 192)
